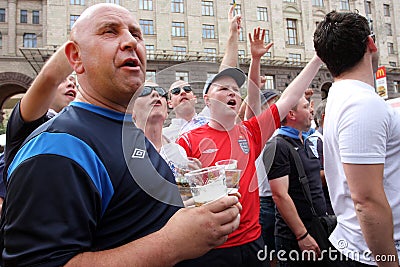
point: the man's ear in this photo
(291, 115)
(371, 44)
(72, 52)
(206, 100)
(195, 98)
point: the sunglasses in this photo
(177, 90)
(372, 36)
(148, 89)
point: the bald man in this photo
(87, 188)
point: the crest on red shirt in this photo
(244, 145)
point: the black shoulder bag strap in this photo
(320, 231)
(302, 175)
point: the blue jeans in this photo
(267, 221)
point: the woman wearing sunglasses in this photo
(149, 114)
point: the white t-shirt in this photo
(360, 128)
(179, 126)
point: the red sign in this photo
(381, 83)
(381, 73)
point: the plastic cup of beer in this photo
(232, 181)
(207, 184)
(228, 164)
(179, 170)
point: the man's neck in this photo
(187, 116)
(221, 125)
(362, 72)
(153, 132)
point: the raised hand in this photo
(257, 47)
(235, 22)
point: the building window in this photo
(294, 58)
(30, 40)
(182, 75)
(113, 1)
(268, 55)
(238, 10)
(266, 37)
(72, 19)
(344, 5)
(178, 29)
(1, 40)
(242, 55)
(386, 10)
(241, 34)
(24, 16)
(150, 51)
(396, 85)
(211, 54)
(368, 7)
(392, 64)
(269, 83)
(318, 2)
(208, 31)
(147, 26)
(180, 52)
(262, 14)
(207, 8)
(390, 48)
(291, 31)
(151, 76)
(177, 6)
(388, 29)
(35, 17)
(146, 4)
(77, 2)
(290, 1)
(2, 15)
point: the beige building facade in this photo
(185, 39)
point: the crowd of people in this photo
(92, 182)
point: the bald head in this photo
(108, 54)
(178, 83)
(88, 16)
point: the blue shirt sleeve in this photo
(2, 184)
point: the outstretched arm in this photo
(37, 100)
(230, 58)
(258, 49)
(297, 87)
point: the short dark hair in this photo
(284, 120)
(340, 40)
